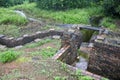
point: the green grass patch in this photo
(8, 16)
(109, 23)
(41, 42)
(73, 16)
(9, 30)
(69, 16)
(48, 52)
(8, 56)
(23, 59)
(45, 52)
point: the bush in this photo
(62, 4)
(111, 7)
(7, 3)
(8, 56)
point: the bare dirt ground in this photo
(34, 67)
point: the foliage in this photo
(8, 56)
(10, 17)
(7, 3)
(73, 16)
(85, 78)
(111, 7)
(62, 4)
(48, 52)
(70, 16)
(108, 23)
(59, 78)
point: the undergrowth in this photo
(68, 16)
(10, 17)
(8, 56)
(73, 16)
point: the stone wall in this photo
(105, 60)
(70, 43)
(11, 42)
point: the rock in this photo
(37, 40)
(18, 47)
(91, 45)
(20, 13)
(118, 42)
(71, 30)
(38, 32)
(25, 35)
(11, 38)
(100, 38)
(56, 37)
(1, 36)
(82, 64)
(106, 31)
(51, 29)
(2, 46)
(105, 40)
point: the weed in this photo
(8, 56)
(104, 79)
(23, 59)
(48, 52)
(85, 78)
(59, 78)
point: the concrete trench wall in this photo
(105, 61)
(11, 42)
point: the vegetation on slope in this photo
(73, 16)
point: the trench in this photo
(83, 58)
(82, 62)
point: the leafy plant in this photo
(8, 56)
(59, 78)
(86, 78)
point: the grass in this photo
(10, 17)
(109, 23)
(8, 56)
(11, 23)
(69, 16)
(10, 30)
(74, 16)
(41, 42)
(46, 52)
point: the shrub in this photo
(8, 56)
(108, 22)
(7, 3)
(111, 7)
(62, 4)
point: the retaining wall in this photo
(105, 60)
(11, 42)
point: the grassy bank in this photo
(12, 23)
(74, 16)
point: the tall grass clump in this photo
(10, 17)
